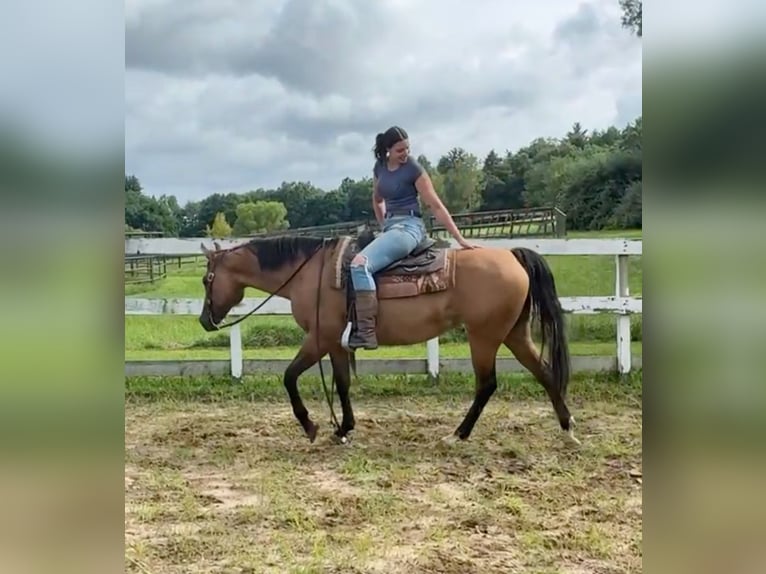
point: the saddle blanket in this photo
(428, 270)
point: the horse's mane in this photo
(275, 252)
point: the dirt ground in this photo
(235, 488)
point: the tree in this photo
(628, 214)
(296, 197)
(211, 206)
(357, 196)
(221, 227)
(632, 16)
(460, 180)
(426, 164)
(259, 217)
(595, 187)
(147, 213)
(577, 136)
(496, 188)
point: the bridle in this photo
(209, 288)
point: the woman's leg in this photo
(394, 243)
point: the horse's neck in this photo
(278, 279)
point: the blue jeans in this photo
(399, 237)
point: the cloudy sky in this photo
(228, 95)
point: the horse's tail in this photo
(546, 307)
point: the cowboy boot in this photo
(366, 320)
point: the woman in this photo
(398, 181)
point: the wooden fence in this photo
(144, 268)
(503, 223)
(620, 304)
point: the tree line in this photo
(594, 177)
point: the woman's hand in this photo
(426, 190)
(465, 245)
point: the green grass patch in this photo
(583, 387)
(446, 351)
(167, 332)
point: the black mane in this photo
(275, 252)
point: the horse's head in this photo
(224, 287)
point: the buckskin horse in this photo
(494, 293)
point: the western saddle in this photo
(429, 268)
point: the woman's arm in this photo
(426, 190)
(378, 205)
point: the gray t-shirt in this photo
(397, 187)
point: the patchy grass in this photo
(222, 480)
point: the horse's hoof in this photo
(311, 432)
(570, 439)
(342, 439)
(449, 440)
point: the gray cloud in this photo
(226, 96)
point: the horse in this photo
(494, 293)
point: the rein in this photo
(208, 293)
(329, 396)
(209, 290)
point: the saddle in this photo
(427, 269)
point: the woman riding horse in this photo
(398, 180)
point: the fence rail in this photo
(621, 305)
(144, 269)
(501, 223)
(190, 246)
(506, 223)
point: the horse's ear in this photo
(217, 245)
(205, 250)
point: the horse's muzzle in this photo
(207, 323)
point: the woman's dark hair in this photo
(384, 141)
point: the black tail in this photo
(547, 308)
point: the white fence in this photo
(620, 304)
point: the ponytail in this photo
(380, 147)
(386, 140)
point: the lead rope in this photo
(329, 396)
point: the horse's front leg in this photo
(307, 356)
(342, 376)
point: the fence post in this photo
(432, 347)
(235, 344)
(560, 222)
(623, 320)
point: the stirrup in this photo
(344, 339)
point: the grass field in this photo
(219, 479)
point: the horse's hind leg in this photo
(483, 356)
(520, 342)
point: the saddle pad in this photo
(430, 271)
